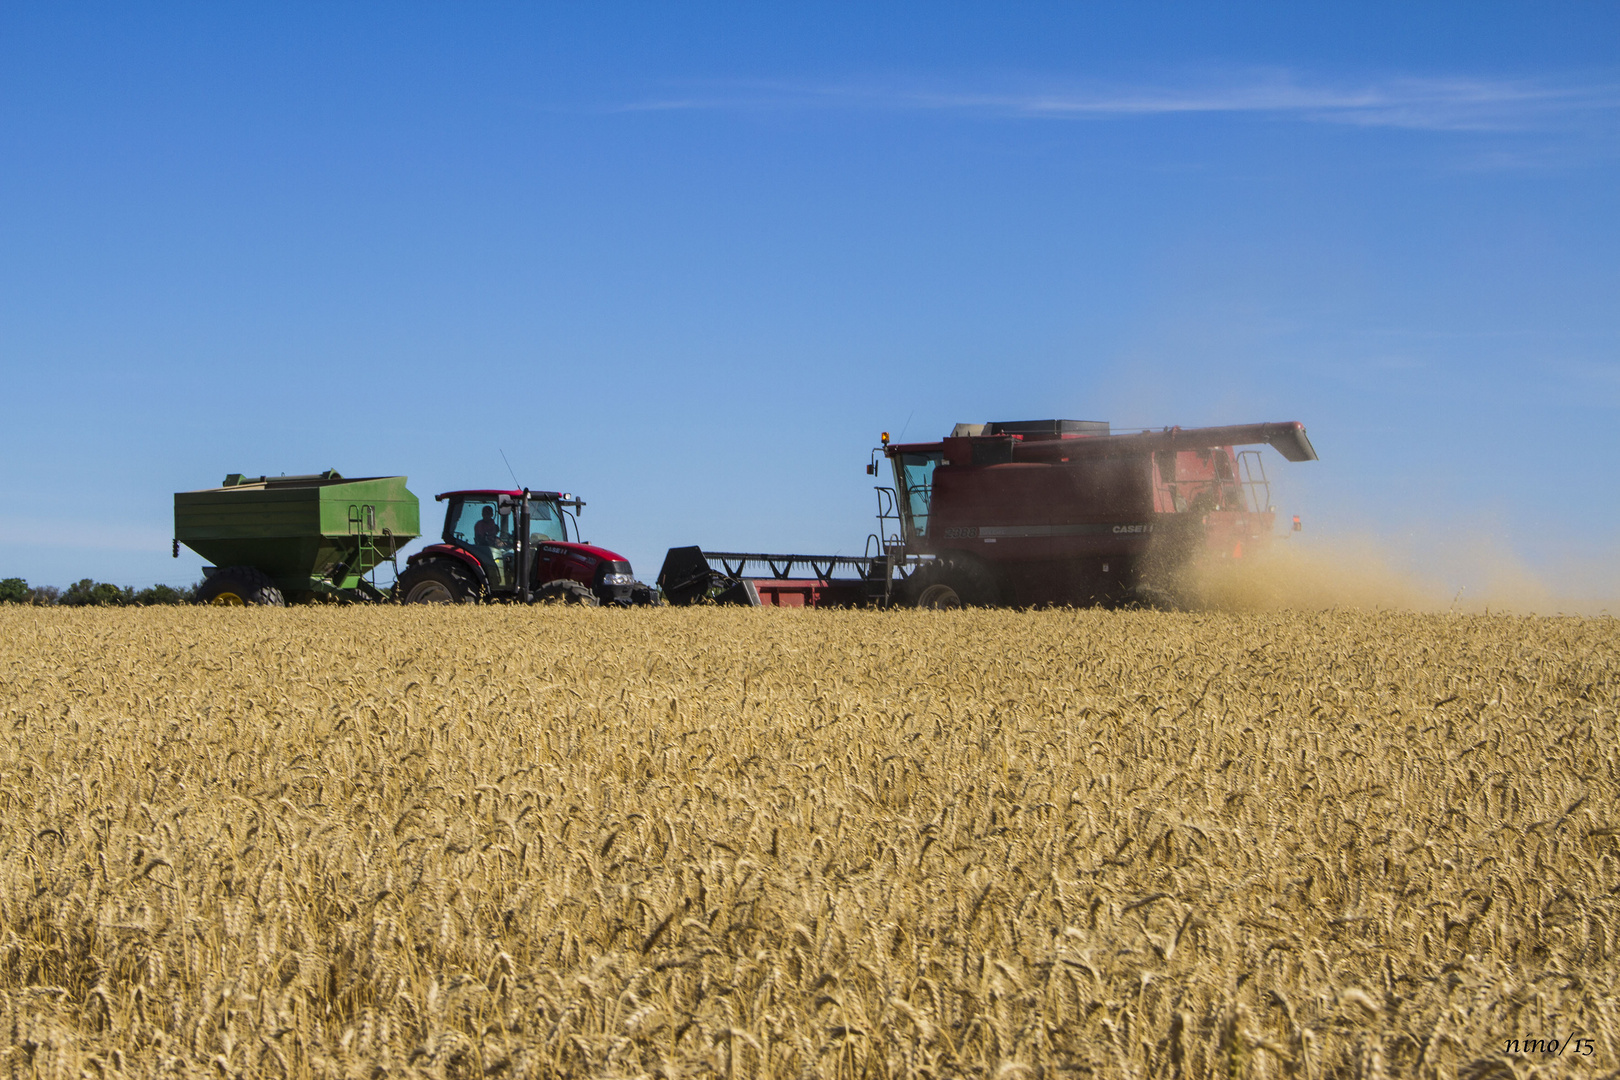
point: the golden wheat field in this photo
(530, 843)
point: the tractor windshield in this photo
(914, 490)
(545, 521)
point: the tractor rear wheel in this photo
(234, 586)
(565, 591)
(435, 582)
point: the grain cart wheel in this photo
(234, 586)
(435, 582)
(564, 591)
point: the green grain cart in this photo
(275, 539)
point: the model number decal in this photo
(961, 532)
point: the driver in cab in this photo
(486, 532)
(486, 541)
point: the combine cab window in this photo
(914, 488)
(545, 522)
(1198, 481)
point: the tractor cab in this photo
(516, 545)
(503, 529)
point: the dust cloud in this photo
(1448, 574)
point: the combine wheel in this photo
(1157, 598)
(939, 597)
(959, 583)
(234, 586)
(435, 582)
(565, 591)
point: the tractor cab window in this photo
(475, 522)
(914, 489)
(546, 521)
(478, 521)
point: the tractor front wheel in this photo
(565, 591)
(235, 586)
(435, 582)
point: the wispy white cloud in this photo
(1431, 104)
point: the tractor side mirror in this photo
(871, 470)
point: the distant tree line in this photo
(89, 593)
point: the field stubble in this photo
(513, 843)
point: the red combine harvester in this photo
(1026, 513)
(514, 545)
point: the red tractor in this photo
(1026, 513)
(515, 546)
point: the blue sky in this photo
(688, 262)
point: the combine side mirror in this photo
(871, 470)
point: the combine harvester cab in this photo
(1028, 513)
(279, 539)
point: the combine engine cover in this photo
(1068, 512)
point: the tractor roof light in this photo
(885, 438)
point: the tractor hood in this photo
(582, 549)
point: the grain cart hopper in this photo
(274, 539)
(515, 545)
(1025, 513)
